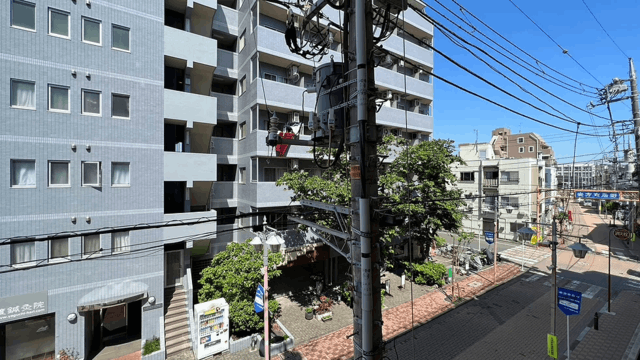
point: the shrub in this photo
(309, 310)
(345, 290)
(151, 346)
(440, 242)
(426, 273)
(382, 292)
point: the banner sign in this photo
(600, 195)
(258, 303)
(23, 306)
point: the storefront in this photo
(27, 330)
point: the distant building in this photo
(521, 146)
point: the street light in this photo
(525, 233)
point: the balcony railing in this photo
(509, 181)
(490, 183)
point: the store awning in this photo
(113, 294)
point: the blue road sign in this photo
(569, 301)
(599, 195)
(258, 303)
(488, 236)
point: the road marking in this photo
(533, 278)
(634, 284)
(591, 292)
(538, 273)
(547, 283)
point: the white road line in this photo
(533, 278)
(591, 292)
(583, 333)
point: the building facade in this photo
(521, 146)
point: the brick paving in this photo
(134, 356)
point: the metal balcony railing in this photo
(490, 183)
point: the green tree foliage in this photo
(234, 275)
(426, 273)
(612, 206)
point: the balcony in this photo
(272, 42)
(190, 107)
(395, 81)
(490, 183)
(271, 195)
(226, 149)
(227, 106)
(182, 231)
(393, 117)
(413, 18)
(227, 64)
(189, 167)
(226, 20)
(284, 95)
(415, 53)
(196, 50)
(224, 194)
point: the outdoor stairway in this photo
(176, 321)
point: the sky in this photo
(569, 23)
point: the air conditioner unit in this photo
(293, 71)
(388, 60)
(294, 117)
(389, 95)
(426, 41)
(386, 132)
(294, 164)
(400, 62)
(396, 97)
(418, 70)
(414, 136)
(509, 209)
(416, 103)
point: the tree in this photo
(234, 275)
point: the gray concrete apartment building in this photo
(86, 86)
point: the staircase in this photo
(176, 321)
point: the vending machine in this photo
(212, 324)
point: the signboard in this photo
(488, 236)
(258, 303)
(552, 346)
(23, 306)
(569, 301)
(622, 234)
(599, 195)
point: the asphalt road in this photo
(482, 244)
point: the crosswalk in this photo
(633, 284)
(531, 255)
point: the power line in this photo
(605, 31)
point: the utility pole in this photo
(554, 261)
(495, 242)
(635, 109)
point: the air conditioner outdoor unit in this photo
(509, 209)
(389, 95)
(400, 62)
(418, 70)
(294, 117)
(416, 103)
(426, 41)
(387, 60)
(386, 132)
(396, 97)
(294, 164)
(293, 71)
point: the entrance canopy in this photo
(113, 294)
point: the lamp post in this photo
(525, 233)
(609, 272)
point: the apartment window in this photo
(120, 106)
(254, 68)
(514, 227)
(23, 253)
(120, 174)
(59, 174)
(58, 248)
(242, 178)
(254, 17)
(59, 98)
(271, 77)
(400, 107)
(243, 84)
(269, 174)
(243, 130)
(91, 173)
(23, 94)
(92, 31)
(509, 201)
(530, 148)
(483, 154)
(23, 173)
(521, 149)
(254, 170)
(90, 245)
(120, 38)
(509, 177)
(467, 176)
(241, 41)
(254, 118)
(520, 140)
(59, 23)
(91, 102)
(23, 15)
(120, 242)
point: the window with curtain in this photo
(91, 173)
(59, 174)
(58, 23)
(23, 94)
(120, 242)
(254, 170)
(59, 248)
(90, 245)
(120, 38)
(23, 253)
(23, 173)
(91, 31)
(23, 14)
(269, 174)
(91, 102)
(120, 174)
(120, 106)
(58, 98)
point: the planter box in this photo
(319, 317)
(280, 347)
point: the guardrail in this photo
(192, 326)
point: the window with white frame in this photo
(272, 77)
(59, 98)
(23, 173)
(58, 248)
(91, 102)
(483, 154)
(254, 118)
(521, 149)
(254, 170)
(243, 130)
(242, 178)
(23, 15)
(22, 253)
(509, 201)
(530, 148)
(91, 173)
(273, 174)
(120, 242)
(254, 68)
(520, 140)
(59, 174)
(509, 177)
(120, 106)
(241, 41)
(59, 23)
(120, 38)
(23, 94)
(90, 245)
(92, 31)
(243, 85)
(120, 174)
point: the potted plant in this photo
(327, 317)
(308, 313)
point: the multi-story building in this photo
(81, 146)
(521, 146)
(585, 176)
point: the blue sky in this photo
(568, 22)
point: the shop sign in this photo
(23, 306)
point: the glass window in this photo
(23, 94)
(120, 106)
(120, 174)
(90, 245)
(241, 41)
(254, 118)
(92, 31)
(243, 85)
(520, 140)
(23, 252)
(58, 98)
(91, 173)
(59, 23)
(483, 154)
(23, 173)
(243, 176)
(91, 102)
(120, 242)
(243, 130)
(254, 170)
(23, 15)
(269, 174)
(254, 68)
(271, 77)
(120, 38)
(59, 174)
(521, 149)
(530, 148)
(59, 248)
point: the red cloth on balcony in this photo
(281, 150)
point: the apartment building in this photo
(82, 149)
(521, 146)
(580, 175)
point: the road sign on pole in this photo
(622, 234)
(552, 346)
(569, 301)
(258, 303)
(488, 236)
